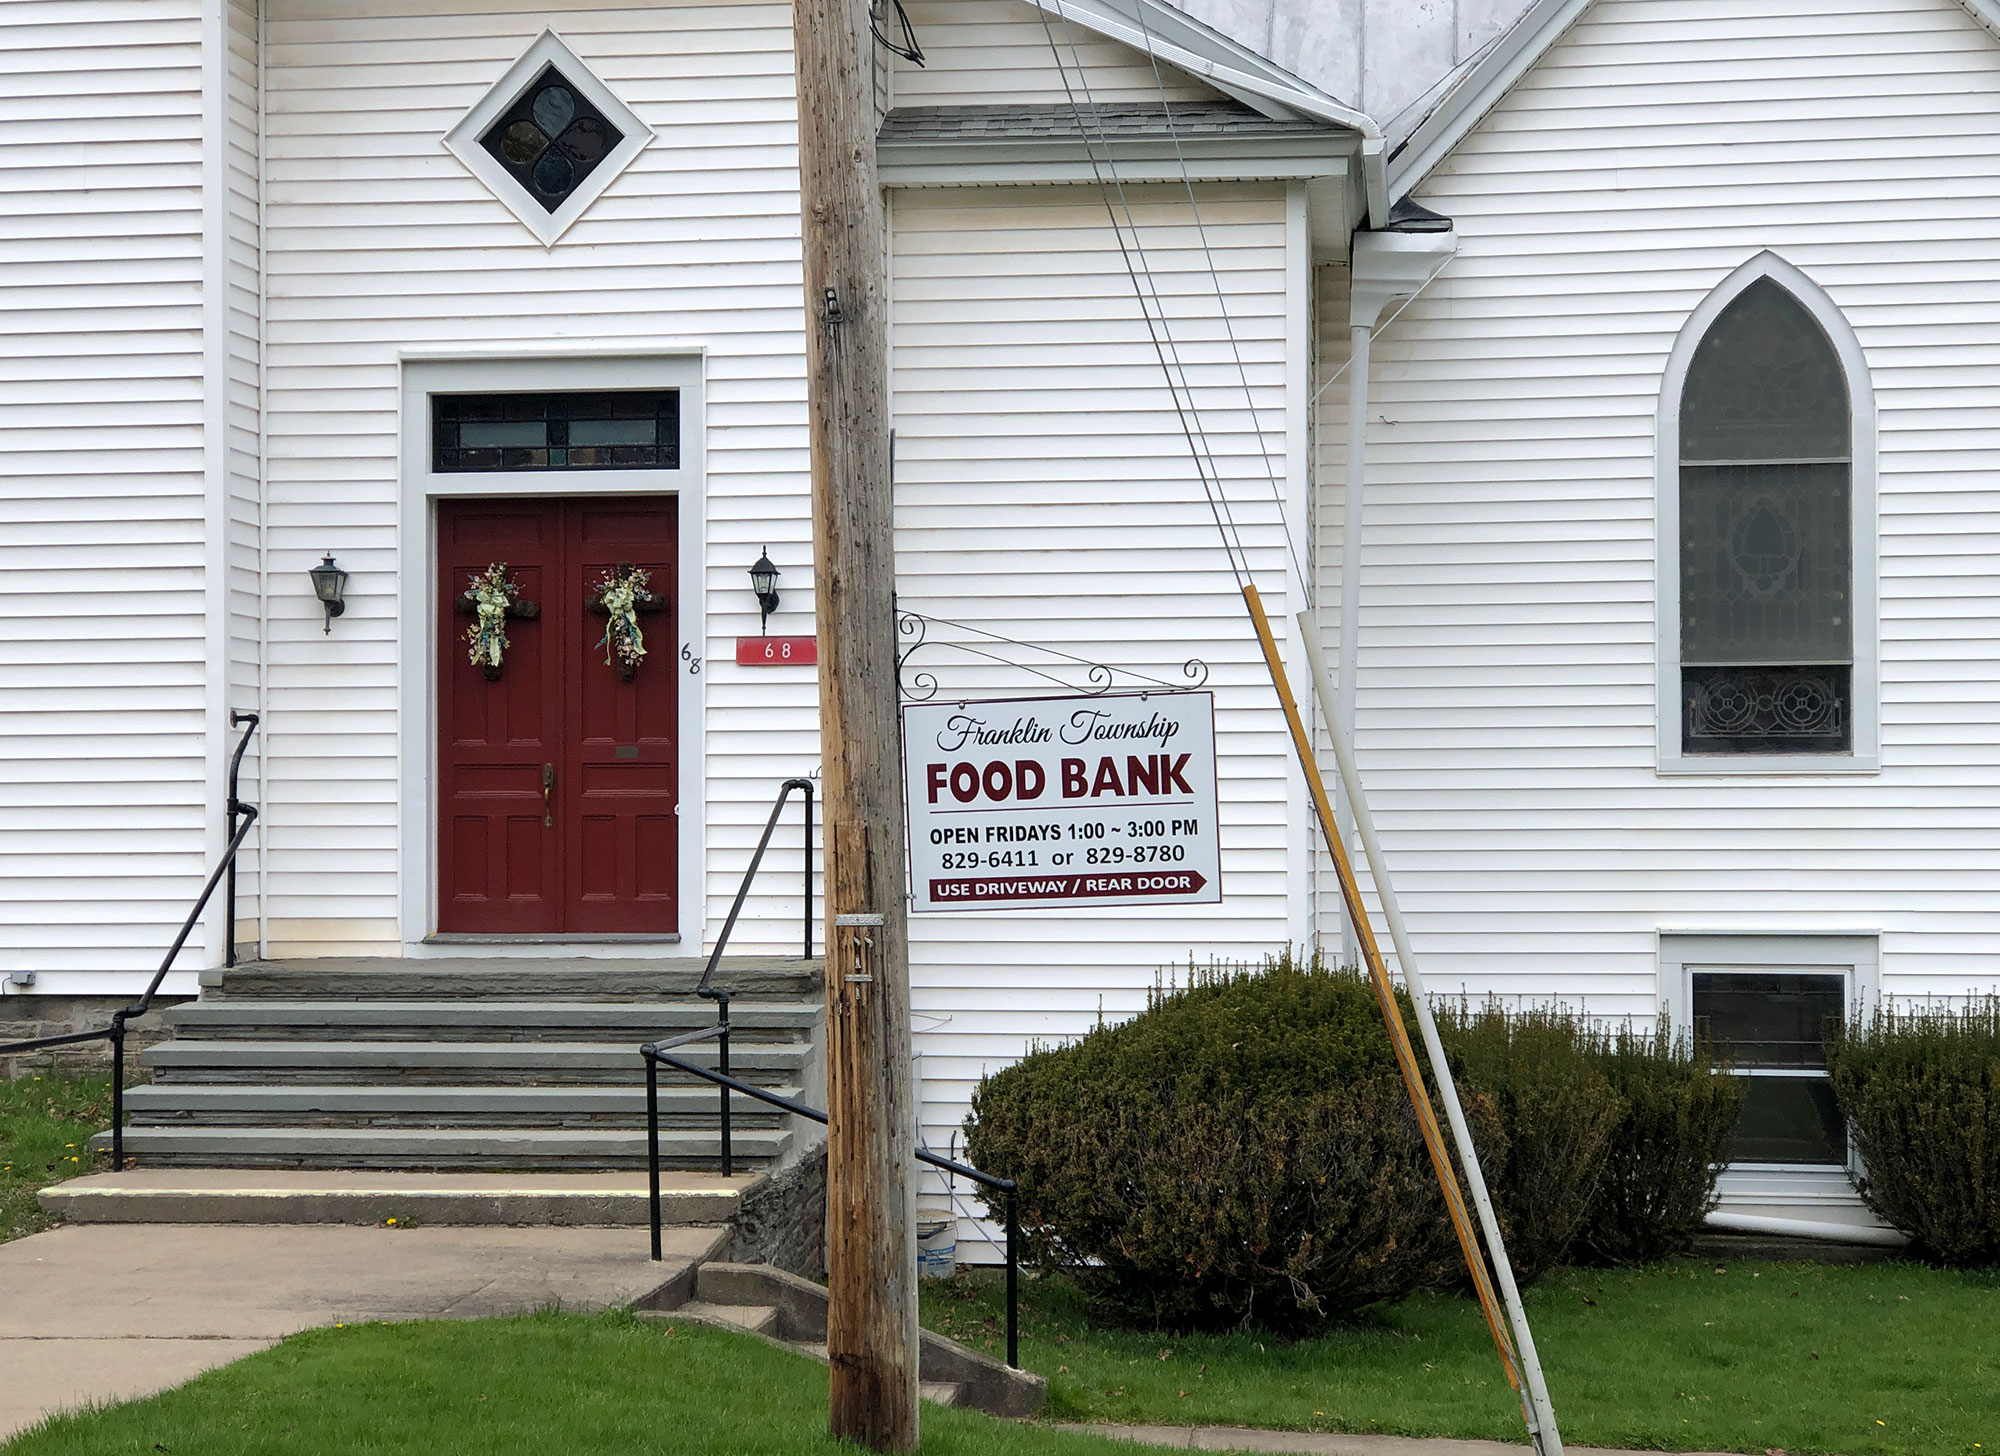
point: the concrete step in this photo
(758, 1319)
(941, 1392)
(440, 1148)
(549, 1019)
(571, 977)
(419, 1062)
(982, 1382)
(691, 1104)
(249, 1196)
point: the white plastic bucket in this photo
(937, 1242)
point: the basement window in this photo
(1767, 1005)
(598, 430)
(1772, 1028)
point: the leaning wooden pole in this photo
(1540, 1413)
(1392, 1016)
(871, 1333)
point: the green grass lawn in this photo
(544, 1385)
(1882, 1358)
(46, 1120)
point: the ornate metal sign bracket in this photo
(1060, 668)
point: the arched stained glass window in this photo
(1766, 526)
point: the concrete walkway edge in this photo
(1326, 1443)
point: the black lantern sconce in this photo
(330, 586)
(764, 582)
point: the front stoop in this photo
(252, 1196)
(790, 1312)
(472, 1064)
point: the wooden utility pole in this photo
(871, 1331)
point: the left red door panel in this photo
(500, 739)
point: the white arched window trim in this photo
(1867, 754)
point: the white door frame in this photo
(670, 367)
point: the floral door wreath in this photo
(621, 595)
(491, 596)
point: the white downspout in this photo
(1386, 267)
(1360, 336)
(1802, 1228)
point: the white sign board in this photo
(1025, 803)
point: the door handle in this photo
(548, 788)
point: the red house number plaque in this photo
(777, 651)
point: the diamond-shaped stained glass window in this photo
(551, 139)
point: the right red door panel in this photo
(622, 857)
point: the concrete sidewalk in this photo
(1328, 1443)
(108, 1312)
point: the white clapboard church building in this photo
(1611, 383)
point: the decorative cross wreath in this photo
(621, 595)
(491, 597)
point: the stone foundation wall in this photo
(783, 1223)
(23, 1018)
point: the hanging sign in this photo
(1025, 803)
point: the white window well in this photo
(548, 138)
(1766, 1003)
(1767, 534)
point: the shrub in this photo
(1921, 1095)
(1542, 1072)
(1241, 1151)
(1671, 1138)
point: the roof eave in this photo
(1017, 161)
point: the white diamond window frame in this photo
(463, 140)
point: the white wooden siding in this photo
(377, 242)
(1508, 621)
(988, 52)
(1044, 490)
(102, 645)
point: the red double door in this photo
(558, 778)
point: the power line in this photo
(1158, 333)
(1222, 307)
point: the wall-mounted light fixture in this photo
(330, 586)
(764, 582)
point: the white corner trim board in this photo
(462, 141)
(1866, 756)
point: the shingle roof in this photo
(1058, 120)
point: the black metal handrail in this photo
(656, 1053)
(241, 817)
(750, 874)
(234, 809)
(720, 1031)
